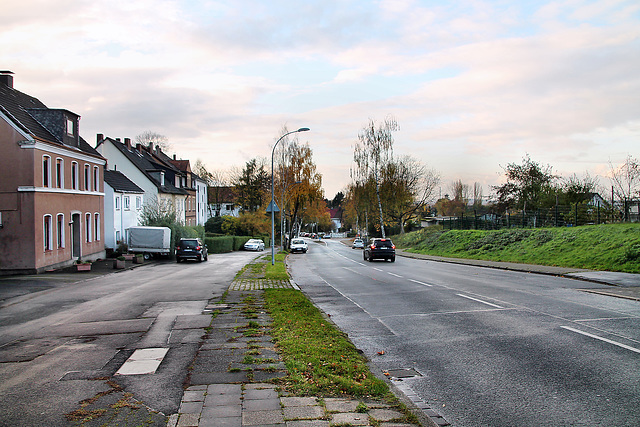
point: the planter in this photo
(138, 259)
(128, 257)
(83, 267)
(118, 264)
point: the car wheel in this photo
(206, 257)
(199, 258)
(147, 256)
(364, 256)
(178, 259)
(392, 259)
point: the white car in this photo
(298, 245)
(358, 244)
(254, 245)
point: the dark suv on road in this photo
(380, 249)
(191, 249)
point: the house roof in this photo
(19, 106)
(120, 183)
(141, 159)
(222, 194)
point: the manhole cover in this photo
(403, 373)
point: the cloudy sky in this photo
(474, 85)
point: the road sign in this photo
(273, 207)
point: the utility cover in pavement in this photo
(143, 361)
(403, 373)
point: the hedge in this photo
(222, 244)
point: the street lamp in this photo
(272, 206)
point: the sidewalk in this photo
(227, 385)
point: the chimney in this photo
(127, 142)
(6, 78)
(150, 148)
(99, 138)
(118, 139)
(139, 147)
(174, 157)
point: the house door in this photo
(75, 235)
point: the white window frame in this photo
(138, 202)
(96, 178)
(117, 203)
(75, 179)
(96, 226)
(59, 172)
(126, 203)
(87, 227)
(87, 177)
(46, 171)
(47, 232)
(60, 231)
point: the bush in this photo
(218, 245)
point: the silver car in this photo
(357, 244)
(298, 245)
(254, 245)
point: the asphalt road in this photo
(58, 339)
(488, 347)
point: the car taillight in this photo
(393, 246)
(198, 248)
(373, 246)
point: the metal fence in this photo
(556, 216)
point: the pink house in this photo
(51, 186)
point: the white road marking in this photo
(479, 300)
(377, 269)
(627, 347)
(420, 283)
(393, 274)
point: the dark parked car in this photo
(191, 249)
(380, 249)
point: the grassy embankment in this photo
(611, 247)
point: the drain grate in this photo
(403, 373)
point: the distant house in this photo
(51, 186)
(223, 201)
(196, 187)
(122, 206)
(336, 218)
(161, 183)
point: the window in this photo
(125, 202)
(96, 225)
(59, 173)
(138, 202)
(117, 203)
(46, 171)
(74, 175)
(87, 225)
(87, 178)
(70, 127)
(60, 231)
(47, 233)
(96, 180)
(117, 236)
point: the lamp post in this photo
(272, 205)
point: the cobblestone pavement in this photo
(228, 385)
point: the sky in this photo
(473, 85)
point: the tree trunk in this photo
(380, 209)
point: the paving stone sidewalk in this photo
(228, 383)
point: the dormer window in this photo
(70, 127)
(162, 178)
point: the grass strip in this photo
(320, 359)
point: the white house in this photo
(123, 202)
(160, 183)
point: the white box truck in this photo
(150, 241)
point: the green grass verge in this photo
(320, 359)
(611, 247)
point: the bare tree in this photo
(158, 140)
(372, 152)
(477, 195)
(625, 178)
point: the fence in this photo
(556, 216)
